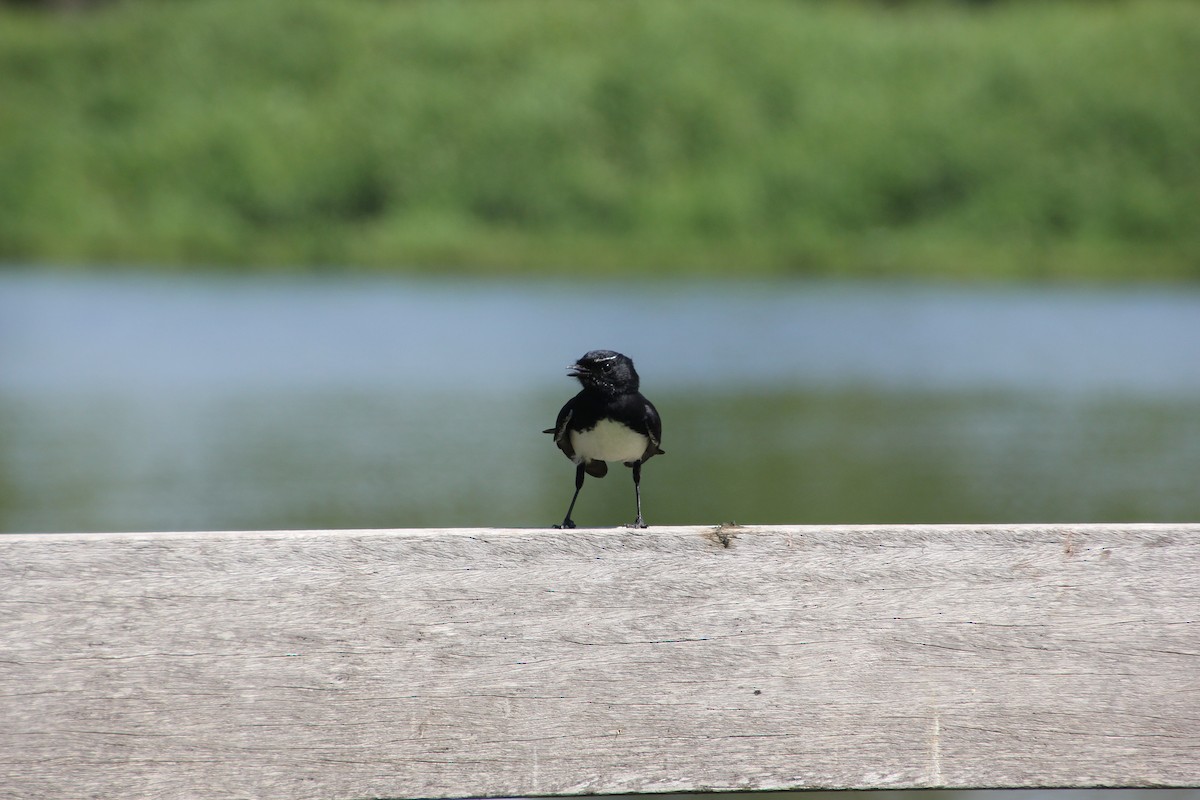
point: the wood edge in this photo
(1190, 528)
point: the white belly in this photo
(608, 441)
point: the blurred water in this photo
(130, 402)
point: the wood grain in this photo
(455, 663)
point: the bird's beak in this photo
(576, 371)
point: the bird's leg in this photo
(637, 490)
(579, 473)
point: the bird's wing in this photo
(560, 429)
(653, 430)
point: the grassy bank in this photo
(1015, 140)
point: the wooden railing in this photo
(458, 663)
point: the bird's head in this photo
(605, 370)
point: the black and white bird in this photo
(609, 420)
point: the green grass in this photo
(1012, 140)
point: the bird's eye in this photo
(607, 367)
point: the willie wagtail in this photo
(608, 420)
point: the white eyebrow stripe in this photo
(607, 358)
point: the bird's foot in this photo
(637, 523)
(566, 523)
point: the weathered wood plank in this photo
(512, 662)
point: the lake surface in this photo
(130, 402)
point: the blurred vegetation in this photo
(1005, 139)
